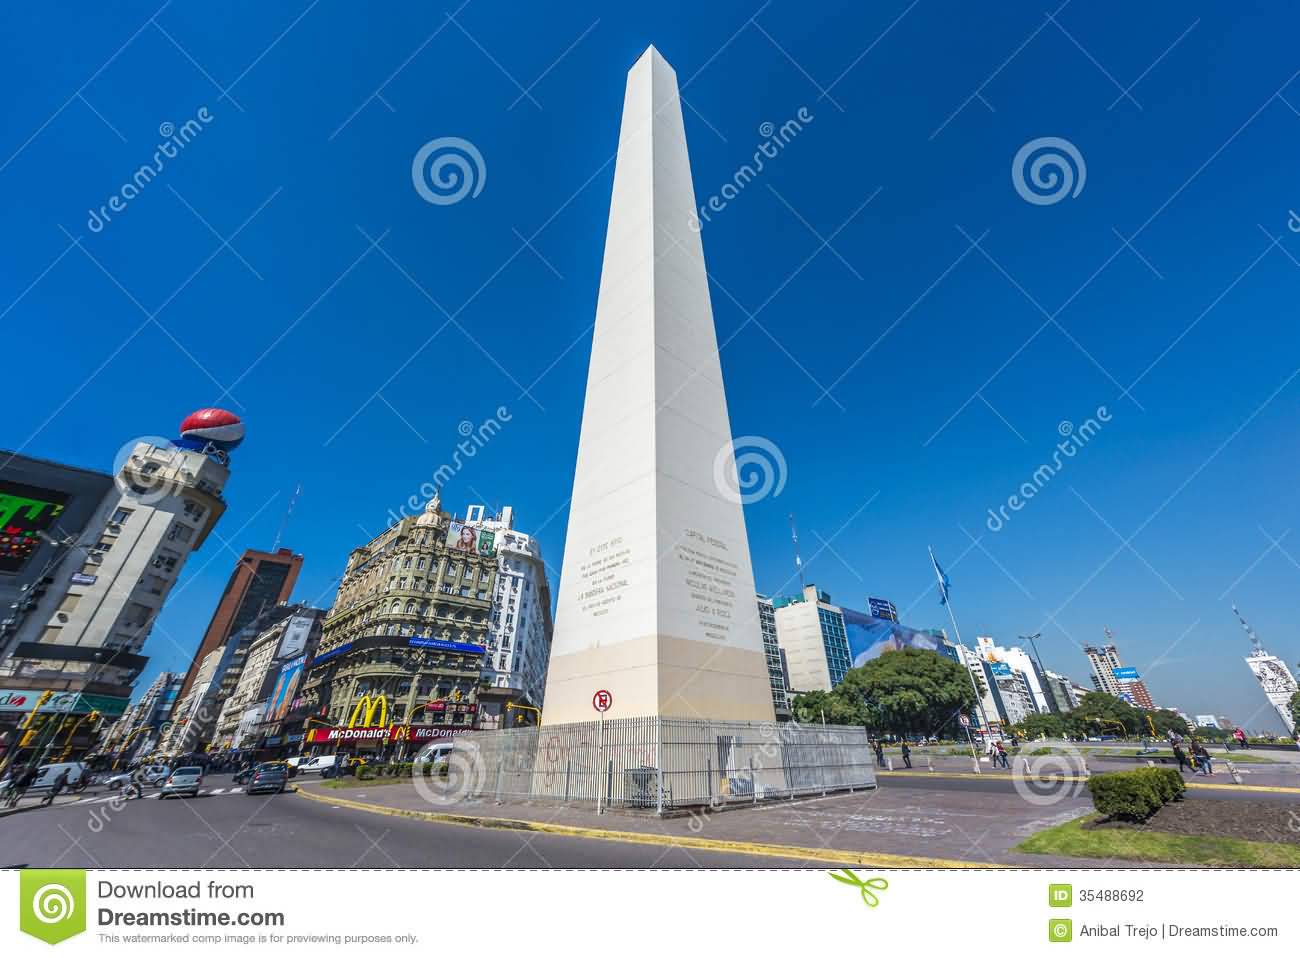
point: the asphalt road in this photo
(285, 831)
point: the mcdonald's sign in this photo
(366, 709)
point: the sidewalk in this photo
(33, 800)
(881, 828)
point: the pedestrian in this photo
(880, 754)
(1000, 757)
(1241, 738)
(21, 781)
(907, 756)
(1203, 760)
(60, 782)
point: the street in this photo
(231, 830)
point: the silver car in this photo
(183, 781)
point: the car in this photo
(271, 777)
(185, 780)
(146, 775)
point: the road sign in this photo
(602, 701)
(965, 722)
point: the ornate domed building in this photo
(405, 641)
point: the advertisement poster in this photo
(285, 687)
(870, 636)
(466, 538)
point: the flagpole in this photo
(947, 602)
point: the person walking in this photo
(880, 754)
(21, 781)
(1000, 757)
(907, 756)
(60, 783)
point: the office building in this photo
(1110, 675)
(520, 629)
(811, 632)
(776, 663)
(85, 634)
(259, 581)
(406, 639)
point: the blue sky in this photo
(914, 371)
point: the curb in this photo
(827, 855)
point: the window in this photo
(419, 563)
(407, 563)
(104, 545)
(410, 606)
(180, 532)
(121, 515)
(401, 583)
(166, 560)
(155, 584)
(193, 510)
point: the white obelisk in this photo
(657, 603)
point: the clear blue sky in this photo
(973, 356)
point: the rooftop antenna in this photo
(1254, 639)
(798, 562)
(279, 533)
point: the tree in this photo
(1102, 714)
(909, 691)
(835, 708)
(1166, 721)
(1295, 710)
(1041, 726)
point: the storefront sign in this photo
(380, 733)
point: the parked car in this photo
(185, 780)
(271, 777)
(78, 776)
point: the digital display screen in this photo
(25, 512)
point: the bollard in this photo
(568, 769)
(929, 762)
(1232, 770)
(889, 763)
(753, 779)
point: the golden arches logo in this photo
(370, 706)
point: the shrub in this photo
(1042, 750)
(1137, 795)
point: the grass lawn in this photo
(1074, 840)
(352, 782)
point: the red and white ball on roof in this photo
(220, 427)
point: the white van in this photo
(46, 775)
(321, 763)
(436, 756)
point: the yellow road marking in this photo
(829, 855)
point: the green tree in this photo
(1102, 714)
(909, 691)
(1039, 726)
(1295, 710)
(835, 708)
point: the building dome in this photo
(220, 427)
(430, 515)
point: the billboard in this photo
(467, 538)
(285, 687)
(869, 636)
(25, 512)
(293, 642)
(1125, 673)
(999, 668)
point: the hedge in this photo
(1137, 795)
